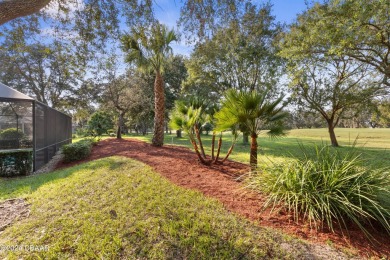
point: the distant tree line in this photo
(330, 66)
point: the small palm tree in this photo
(149, 49)
(251, 113)
(191, 117)
(187, 118)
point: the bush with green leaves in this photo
(82, 132)
(15, 163)
(111, 132)
(11, 134)
(91, 140)
(100, 122)
(77, 151)
(328, 185)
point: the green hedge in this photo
(77, 151)
(11, 134)
(15, 163)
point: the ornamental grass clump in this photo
(328, 186)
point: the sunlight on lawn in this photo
(120, 208)
(374, 144)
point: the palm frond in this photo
(249, 112)
(149, 47)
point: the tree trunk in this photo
(332, 135)
(253, 153)
(201, 159)
(200, 141)
(212, 146)
(228, 153)
(178, 133)
(119, 131)
(245, 138)
(12, 9)
(159, 110)
(219, 148)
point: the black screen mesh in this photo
(16, 125)
(30, 125)
(52, 130)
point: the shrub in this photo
(326, 186)
(82, 132)
(93, 140)
(100, 123)
(26, 142)
(15, 163)
(11, 134)
(77, 151)
(111, 132)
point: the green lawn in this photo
(373, 144)
(119, 208)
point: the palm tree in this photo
(149, 49)
(190, 117)
(187, 118)
(251, 113)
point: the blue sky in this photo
(168, 12)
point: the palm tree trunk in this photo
(159, 110)
(200, 157)
(195, 145)
(200, 141)
(229, 152)
(253, 153)
(219, 149)
(212, 146)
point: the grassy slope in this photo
(119, 208)
(374, 144)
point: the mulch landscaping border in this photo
(180, 166)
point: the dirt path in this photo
(179, 165)
(11, 211)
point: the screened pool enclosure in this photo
(30, 131)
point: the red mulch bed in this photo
(180, 166)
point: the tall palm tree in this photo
(149, 49)
(252, 113)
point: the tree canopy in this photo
(336, 54)
(240, 55)
(357, 29)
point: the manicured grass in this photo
(119, 208)
(374, 144)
